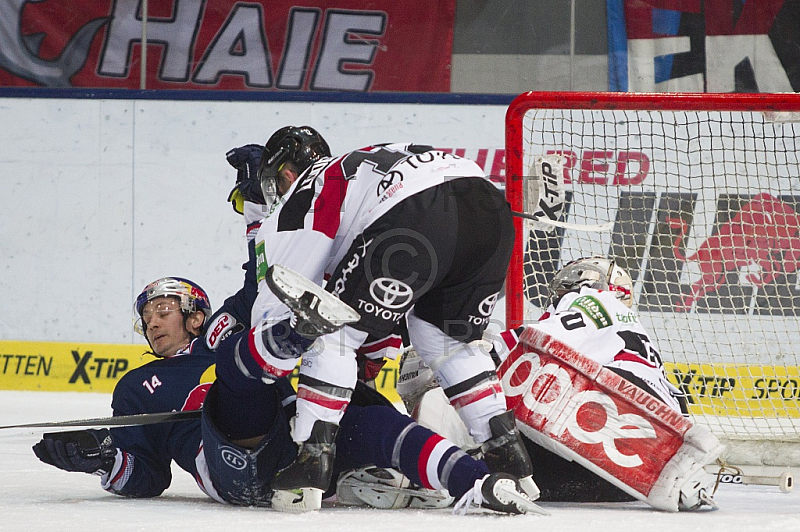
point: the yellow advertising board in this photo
(67, 367)
(738, 390)
(727, 390)
(79, 367)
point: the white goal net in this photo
(702, 196)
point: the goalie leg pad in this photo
(576, 408)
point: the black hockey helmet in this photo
(301, 146)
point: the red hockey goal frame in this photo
(768, 402)
(789, 102)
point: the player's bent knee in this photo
(240, 475)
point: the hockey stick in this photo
(114, 421)
(784, 482)
(601, 228)
(545, 197)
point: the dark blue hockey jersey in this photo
(142, 467)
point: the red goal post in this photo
(702, 192)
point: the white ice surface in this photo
(34, 496)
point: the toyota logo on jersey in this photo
(390, 293)
(485, 309)
(487, 305)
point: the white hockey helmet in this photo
(600, 273)
(191, 297)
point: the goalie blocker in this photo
(576, 408)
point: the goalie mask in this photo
(300, 146)
(190, 297)
(599, 273)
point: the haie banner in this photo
(703, 45)
(316, 45)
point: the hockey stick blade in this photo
(114, 421)
(523, 503)
(600, 228)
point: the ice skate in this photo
(696, 493)
(313, 466)
(500, 492)
(317, 311)
(506, 453)
(384, 488)
(297, 501)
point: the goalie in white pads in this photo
(587, 384)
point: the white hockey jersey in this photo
(598, 325)
(331, 203)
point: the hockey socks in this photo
(432, 462)
(384, 437)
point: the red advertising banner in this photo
(345, 45)
(708, 46)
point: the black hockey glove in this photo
(246, 160)
(88, 451)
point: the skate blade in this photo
(708, 500)
(529, 487)
(375, 494)
(509, 495)
(297, 501)
(290, 286)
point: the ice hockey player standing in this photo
(394, 231)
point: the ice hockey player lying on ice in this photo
(576, 379)
(243, 437)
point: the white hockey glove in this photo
(414, 380)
